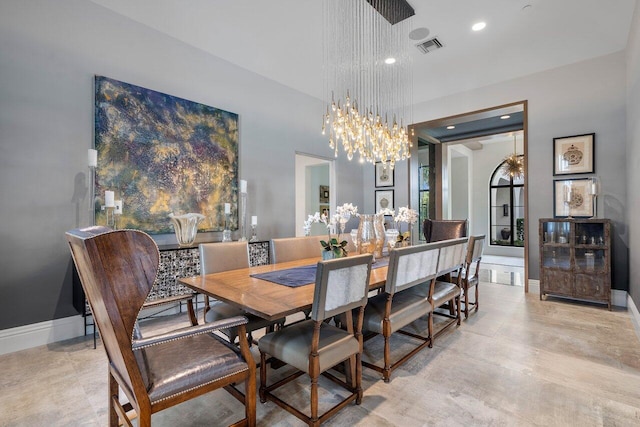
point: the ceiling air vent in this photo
(429, 45)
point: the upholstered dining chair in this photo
(470, 272)
(117, 270)
(445, 289)
(313, 346)
(436, 230)
(398, 306)
(294, 248)
(225, 256)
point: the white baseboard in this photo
(635, 314)
(28, 336)
(619, 298)
(36, 334)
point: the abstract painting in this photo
(163, 154)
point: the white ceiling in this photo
(281, 39)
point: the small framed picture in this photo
(325, 210)
(573, 198)
(324, 194)
(574, 154)
(384, 175)
(384, 199)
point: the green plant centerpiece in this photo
(333, 247)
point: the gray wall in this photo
(633, 154)
(585, 97)
(460, 188)
(49, 53)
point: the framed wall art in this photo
(573, 198)
(384, 199)
(324, 194)
(574, 154)
(162, 154)
(384, 175)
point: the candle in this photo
(118, 209)
(109, 199)
(93, 158)
(227, 208)
(567, 193)
(254, 220)
(243, 186)
(594, 188)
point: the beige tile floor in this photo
(519, 361)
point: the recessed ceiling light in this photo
(479, 26)
(390, 60)
(505, 117)
(451, 127)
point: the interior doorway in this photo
(466, 149)
(315, 184)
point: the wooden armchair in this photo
(399, 304)
(470, 272)
(441, 290)
(313, 346)
(117, 270)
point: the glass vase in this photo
(378, 225)
(186, 227)
(367, 235)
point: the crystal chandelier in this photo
(513, 164)
(367, 78)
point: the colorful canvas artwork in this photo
(163, 154)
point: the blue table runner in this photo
(300, 276)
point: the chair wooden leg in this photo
(113, 394)
(359, 391)
(263, 377)
(457, 300)
(466, 302)
(386, 372)
(477, 285)
(250, 399)
(314, 421)
(191, 311)
(430, 329)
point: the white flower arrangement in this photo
(346, 211)
(410, 216)
(405, 214)
(342, 215)
(386, 212)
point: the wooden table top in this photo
(266, 299)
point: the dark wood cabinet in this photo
(575, 258)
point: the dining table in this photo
(267, 299)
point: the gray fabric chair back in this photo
(294, 248)
(476, 247)
(437, 230)
(453, 254)
(342, 284)
(225, 256)
(411, 266)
